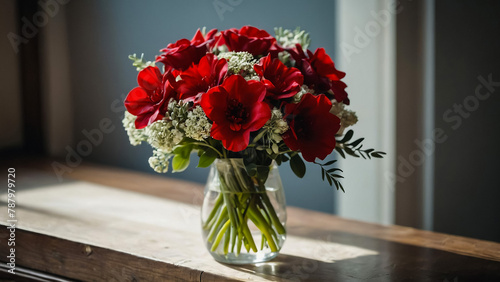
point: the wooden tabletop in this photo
(108, 224)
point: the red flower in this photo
(312, 127)
(149, 101)
(197, 79)
(181, 54)
(236, 108)
(320, 73)
(280, 81)
(250, 39)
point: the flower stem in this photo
(219, 236)
(242, 198)
(259, 221)
(215, 209)
(220, 220)
(209, 146)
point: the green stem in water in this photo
(219, 236)
(264, 228)
(233, 238)
(246, 230)
(216, 208)
(270, 209)
(231, 208)
(227, 236)
(222, 218)
(242, 198)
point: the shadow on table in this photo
(392, 261)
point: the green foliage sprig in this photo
(331, 174)
(355, 148)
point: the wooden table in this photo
(107, 224)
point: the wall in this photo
(367, 55)
(10, 107)
(467, 190)
(56, 84)
(410, 112)
(103, 33)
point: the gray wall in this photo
(103, 33)
(467, 187)
(11, 124)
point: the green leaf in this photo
(333, 170)
(207, 158)
(329, 179)
(341, 187)
(181, 158)
(341, 153)
(298, 166)
(356, 143)
(183, 150)
(350, 152)
(263, 172)
(347, 136)
(378, 154)
(180, 163)
(251, 169)
(275, 148)
(278, 160)
(281, 159)
(338, 185)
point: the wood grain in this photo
(108, 224)
(189, 192)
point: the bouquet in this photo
(248, 100)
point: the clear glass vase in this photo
(243, 220)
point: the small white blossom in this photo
(135, 136)
(276, 126)
(240, 63)
(303, 90)
(162, 135)
(197, 125)
(347, 117)
(140, 63)
(179, 122)
(220, 49)
(288, 38)
(251, 77)
(276, 123)
(166, 133)
(159, 161)
(177, 112)
(177, 136)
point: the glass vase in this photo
(243, 219)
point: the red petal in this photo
(313, 134)
(261, 113)
(149, 78)
(214, 104)
(138, 102)
(198, 38)
(325, 66)
(232, 140)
